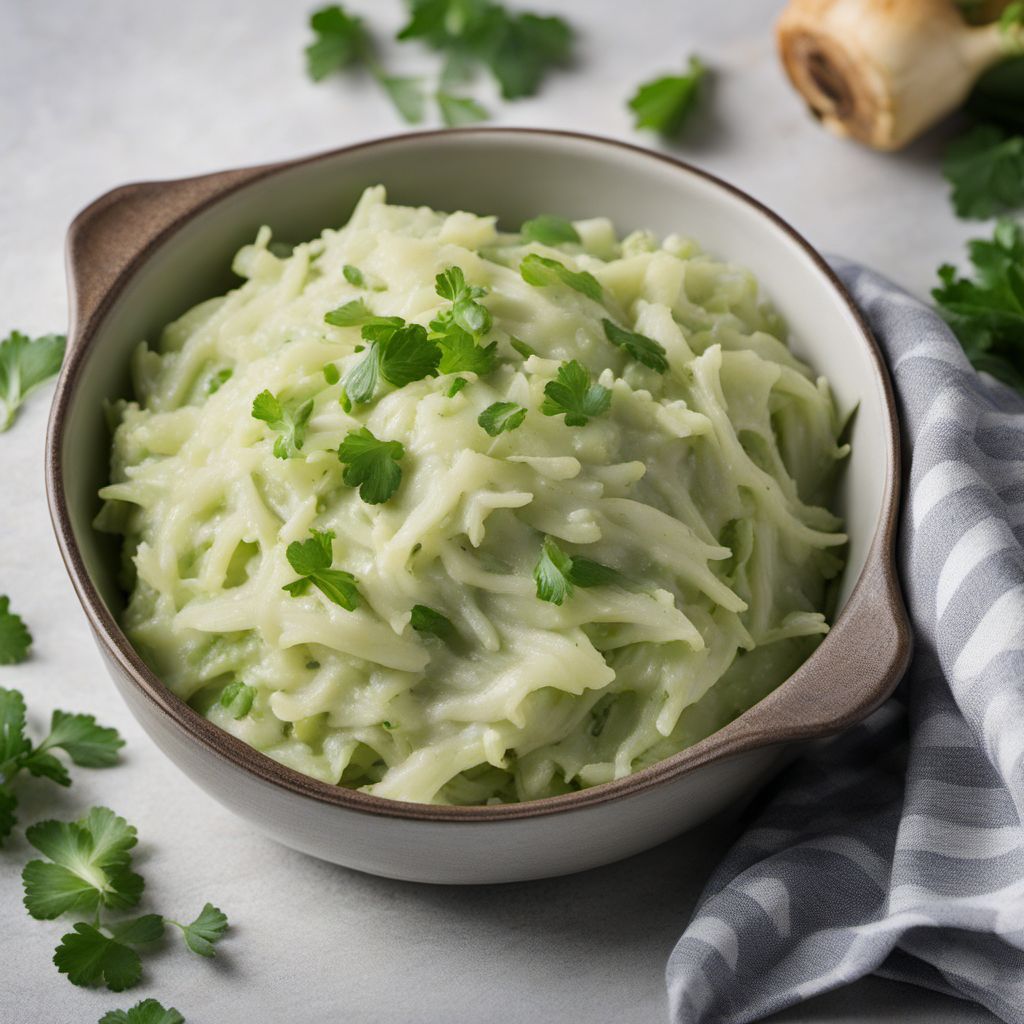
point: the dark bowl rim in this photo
(726, 742)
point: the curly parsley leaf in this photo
(400, 355)
(542, 272)
(557, 573)
(25, 364)
(356, 313)
(643, 349)
(549, 230)
(666, 103)
(461, 354)
(341, 41)
(985, 166)
(237, 697)
(371, 465)
(205, 931)
(218, 380)
(571, 393)
(88, 866)
(289, 421)
(986, 311)
(312, 560)
(501, 417)
(148, 1011)
(15, 639)
(427, 620)
(90, 958)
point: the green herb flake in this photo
(237, 697)
(557, 573)
(218, 380)
(643, 349)
(573, 395)
(522, 348)
(331, 373)
(466, 312)
(289, 421)
(501, 417)
(666, 104)
(542, 272)
(371, 464)
(353, 275)
(356, 313)
(312, 560)
(549, 230)
(427, 620)
(456, 386)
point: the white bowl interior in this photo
(515, 176)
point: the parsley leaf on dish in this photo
(472, 316)
(549, 230)
(353, 275)
(25, 364)
(458, 110)
(84, 742)
(542, 271)
(15, 639)
(237, 697)
(371, 465)
(148, 1011)
(986, 311)
(341, 40)
(312, 560)
(460, 353)
(557, 573)
(500, 417)
(666, 103)
(400, 355)
(985, 166)
(288, 421)
(643, 349)
(427, 620)
(356, 313)
(571, 393)
(218, 380)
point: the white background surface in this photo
(97, 93)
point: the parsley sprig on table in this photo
(82, 740)
(665, 104)
(985, 167)
(25, 364)
(557, 573)
(15, 639)
(312, 560)
(148, 1011)
(288, 420)
(87, 870)
(573, 395)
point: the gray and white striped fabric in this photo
(898, 848)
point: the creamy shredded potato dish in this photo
(452, 515)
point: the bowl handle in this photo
(114, 231)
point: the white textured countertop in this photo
(96, 94)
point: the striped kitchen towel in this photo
(898, 848)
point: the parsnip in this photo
(883, 71)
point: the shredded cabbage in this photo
(705, 488)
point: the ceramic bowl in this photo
(142, 254)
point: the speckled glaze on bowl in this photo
(142, 254)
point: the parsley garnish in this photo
(572, 394)
(148, 1011)
(371, 465)
(522, 348)
(986, 312)
(289, 421)
(556, 573)
(460, 353)
(88, 870)
(456, 386)
(549, 230)
(356, 313)
(426, 620)
(666, 103)
(541, 272)
(220, 378)
(500, 417)
(237, 697)
(25, 364)
(472, 316)
(986, 169)
(518, 48)
(15, 639)
(400, 355)
(312, 560)
(353, 275)
(643, 349)
(331, 373)
(85, 743)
